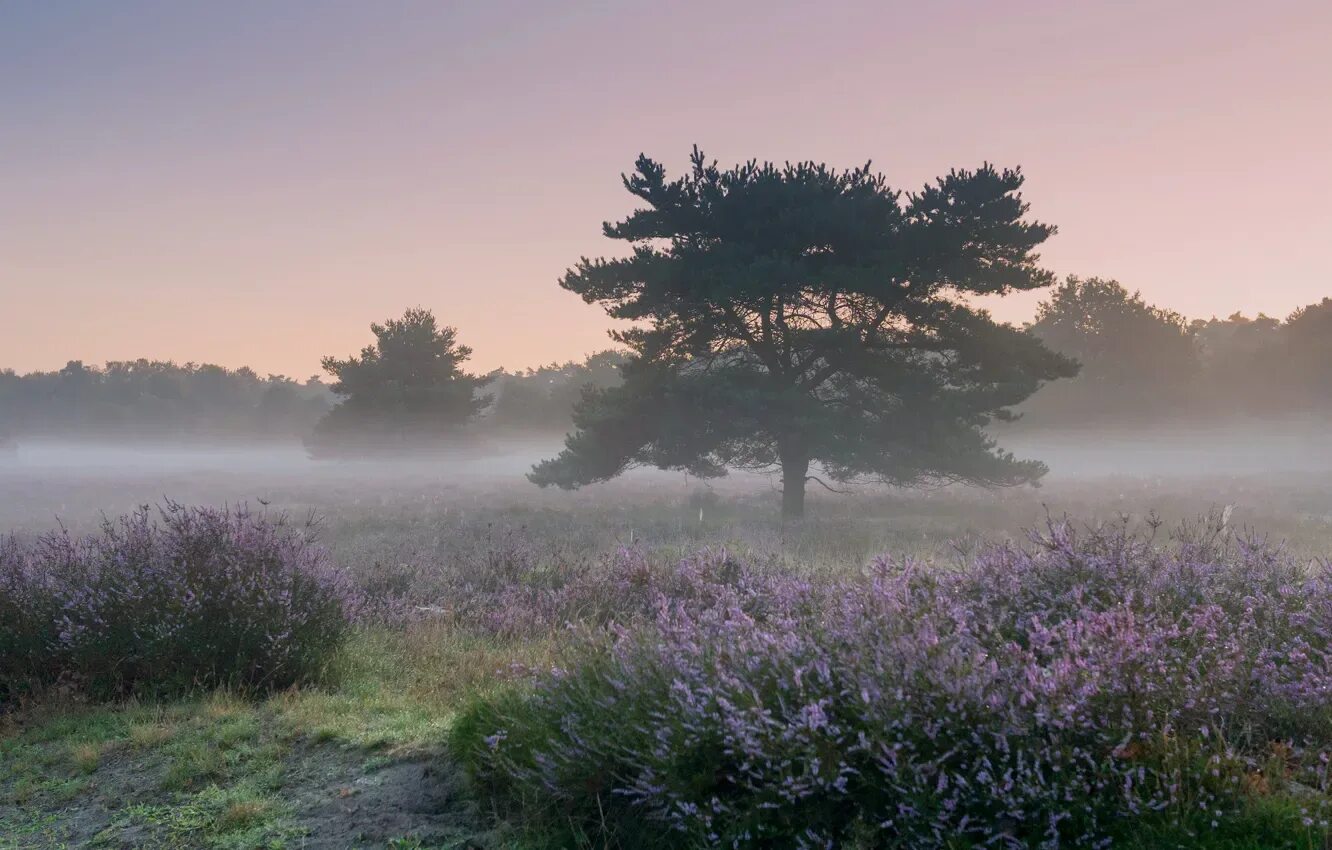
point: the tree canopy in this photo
(1136, 358)
(154, 399)
(541, 400)
(1308, 337)
(407, 387)
(797, 314)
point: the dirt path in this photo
(326, 796)
(417, 802)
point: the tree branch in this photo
(819, 480)
(764, 351)
(868, 329)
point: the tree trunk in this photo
(795, 466)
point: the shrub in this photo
(509, 588)
(168, 600)
(1035, 697)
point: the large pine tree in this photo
(794, 315)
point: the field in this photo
(458, 552)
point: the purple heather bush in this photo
(168, 600)
(511, 587)
(1035, 696)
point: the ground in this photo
(360, 760)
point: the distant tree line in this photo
(542, 400)
(158, 399)
(407, 387)
(1140, 364)
(1145, 364)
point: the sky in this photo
(254, 182)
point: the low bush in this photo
(1045, 696)
(168, 600)
(511, 589)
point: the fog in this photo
(1280, 448)
(1299, 446)
(76, 482)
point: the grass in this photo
(170, 771)
(1267, 823)
(220, 771)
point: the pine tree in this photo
(785, 316)
(405, 389)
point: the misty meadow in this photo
(819, 503)
(364, 601)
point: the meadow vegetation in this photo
(1038, 696)
(167, 602)
(814, 599)
(672, 667)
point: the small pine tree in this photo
(408, 388)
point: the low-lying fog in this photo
(1224, 450)
(75, 482)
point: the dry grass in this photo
(150, 734)
(85, 757)
(241, 814)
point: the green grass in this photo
(191, 774)
(216, 771)
(1265, 823)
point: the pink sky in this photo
(253, 183)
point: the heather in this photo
(1070, 691)
(170, 600)
(478, 603)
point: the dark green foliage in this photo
(600, 817)
(157, 399)
(1137, 360)
(1260, 823)
(1308, 343)
(1141, 363)
(542, 400)
(408, 387)
(796, 315)
(1263, 823)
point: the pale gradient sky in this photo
(254, 182)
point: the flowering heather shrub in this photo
(621, 590)
(166, 601)
(513, 588)
(1039, 697)
(474, 582)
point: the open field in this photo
(362, 759)
(665, 426)
(1276, 476)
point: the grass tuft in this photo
(85, 756)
